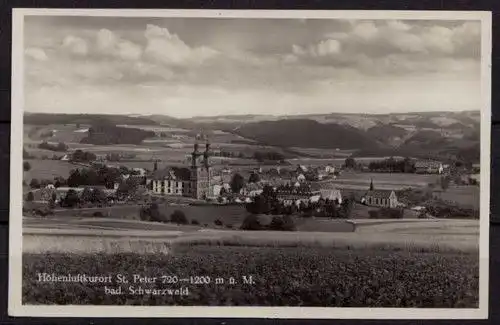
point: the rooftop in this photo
(427, 164)
(172, 173)
(380, 194)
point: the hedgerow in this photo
(283, 277)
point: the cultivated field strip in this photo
(436, 235)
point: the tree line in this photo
(260, 156)
(392, 165)
(106, 134)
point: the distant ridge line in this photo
(236, 116)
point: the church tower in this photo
(201, 173)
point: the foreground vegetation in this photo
(309, 276)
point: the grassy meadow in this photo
(47, 169)
(466, 196)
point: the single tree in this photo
(254, 178)
(34, 183)
(30, 197)
(445, 183)
(52, 201)
(71, 199)
(237, 183)
(350, 163)
(26, 166)
(86, 195)
(179, 217)
(98, 196)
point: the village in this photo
(301, 190)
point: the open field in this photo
(108, 235)
(331, 161)
(466, 196)
(401, 178)
(287, 276)
(61, 133)
(116, 216)
(390, 181)
(47, 169)
(361, 211)
(333, 154)
(155, 128)
(228, 214)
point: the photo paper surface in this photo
(257, 164)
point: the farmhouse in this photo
(289, 195)
(301, 169)
(380, 198)
(331, 195)
(329, 169)
(221, 182)
(219, 189)
(301, 178)
(252, 189)
(139, 172)
(428, 167)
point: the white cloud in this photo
(328, 47)
(129, 51)
(398, 25)
(75, 45)
(162, 46)
(322, 49)
(108, 43)
(407, 43)
(36, 54)
(365, 30)
(396, 65)
(97, 71)
(438, 39)
(393, 47)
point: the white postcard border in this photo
(16, 308)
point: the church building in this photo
(193, 181)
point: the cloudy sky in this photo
(207, 66)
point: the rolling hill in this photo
(414, 133)
(387, 133)
(306, 133)
(88, 119)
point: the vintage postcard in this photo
(262, 164)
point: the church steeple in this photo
(195, 154)
(206, 154)
(371, 184)
(155, 162)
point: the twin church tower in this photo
(201, 173)
(190, 181)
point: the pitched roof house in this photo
(331, 194)
(429, 167)
(380, 198)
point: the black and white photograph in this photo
(258, 164)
